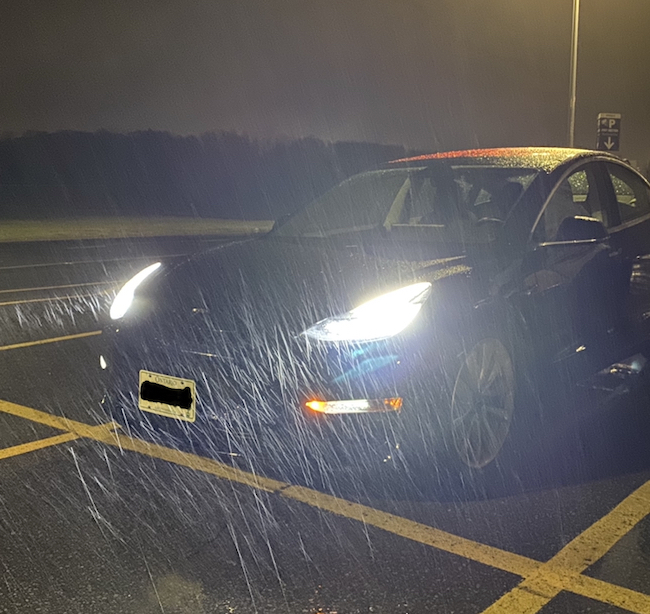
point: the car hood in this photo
(267, 283)
(231, 320)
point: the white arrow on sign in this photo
(609, 143)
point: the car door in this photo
(572, 285)
(629, 193)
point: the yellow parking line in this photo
(611, 594)
(41, 288)
(415, 531)
(185, 459)
(41, 417)
(192, 461)
(522, 601)
(53, 298)
(542, 581)
(579, 554)
(48, 442)
(562, 579)
(24, 448)
(28, 344)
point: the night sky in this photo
(428, 74)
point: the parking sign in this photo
(609, 131)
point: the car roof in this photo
(543, 158)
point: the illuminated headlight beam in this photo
(124, 297)
(380, 318)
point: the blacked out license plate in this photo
(166, 395)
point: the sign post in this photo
(609, 131)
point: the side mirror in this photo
(581, 228)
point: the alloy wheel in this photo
(482, 403)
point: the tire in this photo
(487, 420)
(482, 403)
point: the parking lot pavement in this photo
(93, 521)
(15, 432)
(94, 528)
(628, 562)
(54, 289)
(98, 521)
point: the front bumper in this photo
(251, 407)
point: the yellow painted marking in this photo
(58, 422)
(48, 442)
(415, 531)
(184, 459)
(193, 461)
(37, 445)
(53, 298)
(580, 553)
(40, 288)
(28, 344)
(562, 579)
(612, 594)
(542, 581)
(133, 260)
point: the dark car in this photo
(415, 316)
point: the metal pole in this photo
(574, 72)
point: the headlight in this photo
(380, 318)
(124, 298)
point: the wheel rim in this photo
(482, 403)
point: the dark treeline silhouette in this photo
(220, 175)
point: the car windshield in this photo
(443, 197)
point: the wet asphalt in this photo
(88, 527)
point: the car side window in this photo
(575, 195)
(632, 197)
(422, 204)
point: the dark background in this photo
(231, 108)
(425, 74)
(221, 175)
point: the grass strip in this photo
(71, 229)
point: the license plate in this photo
(165, 395)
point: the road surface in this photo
(92, 521)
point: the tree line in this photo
(147, 173)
